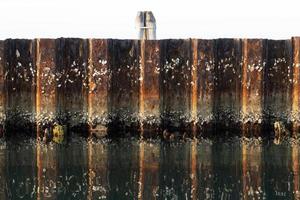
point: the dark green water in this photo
(131, 169)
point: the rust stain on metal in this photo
(38, 86)
(149, 85)
(205, 84)
(252, 86)
(45, 82)
(198, 83)
(151, 79)
(296, 83)
(98, 78)
(194, 86)
(205, 66)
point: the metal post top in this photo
(145, 19)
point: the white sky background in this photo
(174, 18)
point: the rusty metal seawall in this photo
(210, 87)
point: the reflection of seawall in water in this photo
(252, 172)
(47, 173)
(133, 169)
(295, 169)
(98, 185)
(3, 174)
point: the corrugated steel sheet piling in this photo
(192, 86)
(253, 64)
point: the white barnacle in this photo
(18, 53)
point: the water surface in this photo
(152, 169)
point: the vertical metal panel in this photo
(295, 115)
(20, 84)
(254, 60)
(98, 76)
(227, 82)
(205, 67)
(124, 83)
(175, 82)
(72, 85)
(2, 89)
(278, 82)
(149, 85)
(46, 82)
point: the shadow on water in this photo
(133, 169)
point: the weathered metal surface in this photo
(45, 83)
(227, 84)
(135, 86)
(278, 82)
(203, 84)
(20, 85)
(295, 113)
(175, 83)
(149, 86)
(254, 60)
(98, 80)
(72, 83)
(124, 69)
(2, 88)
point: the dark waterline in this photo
(133, 169)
